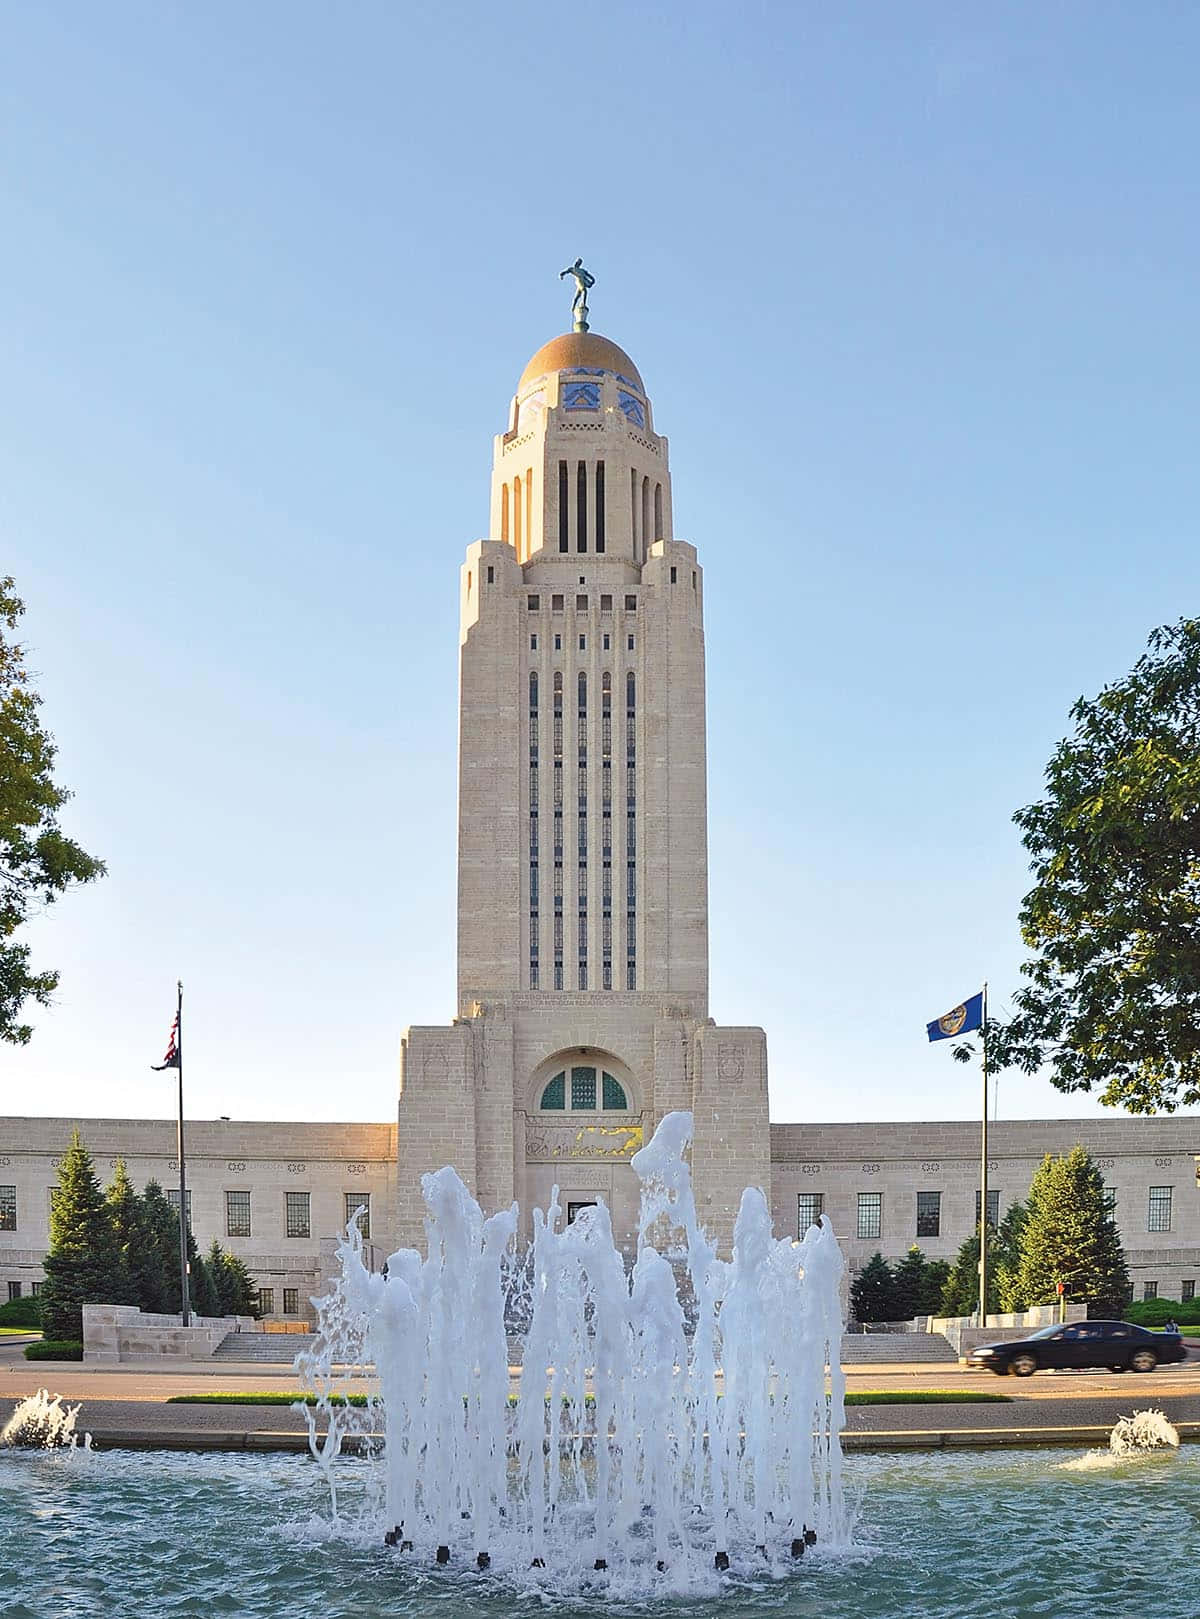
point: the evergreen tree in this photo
(243, 1295)
(156, 1262)
(216, 1262)
(960, 1295)
(1006, 1257)
(1070, 1237)
(918, 1284)
(125, 1216)
(82, 1265)
(873, 1292)
(163, 1233)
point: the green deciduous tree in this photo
(1113, 994)
(37, 862)
(82, 1264)
(873, 1292)
(1070, 1237)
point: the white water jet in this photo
(43, 1422)
(1132, 1439)
(650, 1443)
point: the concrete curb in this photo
(884, 1439)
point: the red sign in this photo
(1058, 1288)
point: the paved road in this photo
(132, 1399)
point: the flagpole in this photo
(184, 1300)
(983, 1176)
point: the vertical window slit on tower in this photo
(633, 515)
(647, 537)
(581, 522)
(582, 890)
(564, 510)
(658, 517)
(599, 505)
(504, 513)
(528, 512)
(606, 831)
(630, 831)
(517, 514)
(558, 828)
(533, 831)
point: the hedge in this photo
(64, 1349)
(1157, 1312)
(22, 1313)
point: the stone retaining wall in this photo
(121, 1332)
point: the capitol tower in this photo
(582, 830)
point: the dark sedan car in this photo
(1117, 1345)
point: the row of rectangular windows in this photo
(558, 601)
(810, 1206)
(237, 1210)
(266, 1297)
(605, 641)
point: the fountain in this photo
(43, 1422)
(680, 1418)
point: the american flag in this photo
(171, 1060)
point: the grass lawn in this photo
(862, 1397)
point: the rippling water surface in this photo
(996, 1534)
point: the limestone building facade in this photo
(582, 1010)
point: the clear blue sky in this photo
(914, 290)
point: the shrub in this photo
(22, 1313)
(63, 1349)
(1157, 1312)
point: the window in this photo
(237, 1214)
(173, 1200)
(492, 574)
(993, 1207)
(291, 1301)
(599, 505)
(574, 1208)
(1160, 1208)
(606, 604)
(614, 1094)
(1149, 1290)
(533, 603)
(581, 604)
(556, 604)
(809, 1208)
(1187, 1291)
(581, 507)
(929, 1214)
(583, 1089)
(564, 514)
(1110, 1202)
(36, 1289)
(583, 1092)
(583, 643)
(673, 579)
(558, 643)
(8, 1208)
(354, 1202)
(14, 1291)
(631, 604)
(629, 642)
(870, 1214)
(533, 643)
(607, 642)
(266, 1301)
(298, 1224)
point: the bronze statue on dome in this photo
(583, 280)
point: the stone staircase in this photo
(262, 1348)
(860, 1348)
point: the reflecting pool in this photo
(1003, 1534)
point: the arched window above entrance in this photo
(583, 1089)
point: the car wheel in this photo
(1023, 1365)
(1143, 1360)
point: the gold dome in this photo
(580, 351)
